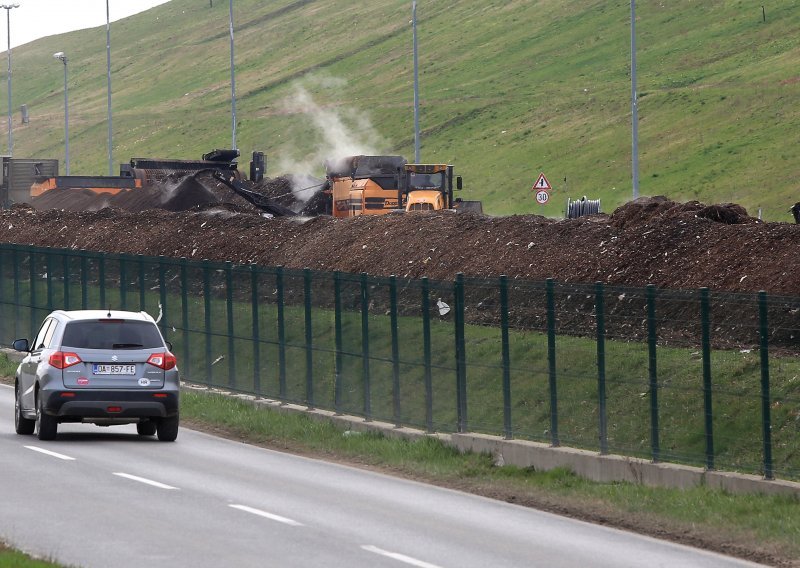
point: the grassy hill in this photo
(509, 88)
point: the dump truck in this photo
(378, 185)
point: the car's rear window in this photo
(111, 334)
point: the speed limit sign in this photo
(542, 197)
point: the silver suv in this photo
(102, 367)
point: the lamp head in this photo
(61, 55)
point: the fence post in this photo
(207, 318)
(653, 371)
(337, 323)
(185, 312)
(256, 329)
(601, 365)
(3, 295)
(279, 285)
(551, 361)
(705, 323)
(393, 317)
(84, 280)
(65, 263)
(48, 267)
(123, 282)
(461, 374)
(365, 345)
(309, 338)
(765, 398)
(507, 429)
(101, 279)
(231, 333)
(426, 350)
(162, 294)
(142, 282)
(32, 288)
(15, 270)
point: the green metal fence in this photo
(697, 377)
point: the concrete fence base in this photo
(542, 457)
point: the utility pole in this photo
(8, 8)
(108, 72)
(417, 158)
(233, 80)
(634, 106)
(63, 58)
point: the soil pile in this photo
(648, 241)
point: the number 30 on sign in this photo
(542, 197)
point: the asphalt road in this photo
(105, 497)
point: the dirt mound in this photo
(646, 210)
(73, 199)
(654, 241)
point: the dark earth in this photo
(648, 241)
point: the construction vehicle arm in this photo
(262, 202)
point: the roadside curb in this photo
(541, 457)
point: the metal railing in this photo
(689, 376)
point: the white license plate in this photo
(114, 369)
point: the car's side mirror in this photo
(21, 345)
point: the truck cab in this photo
(429, 187)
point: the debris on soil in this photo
(647, 241)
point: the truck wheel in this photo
(146, 428)
(46, 425)
(167, 429)
(22, 425)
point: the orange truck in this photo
(377, 185)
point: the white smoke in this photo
(341, 131)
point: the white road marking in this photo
(49, 453)
(145, 481)
(266, 515)
(399, 557)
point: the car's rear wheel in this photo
(46, 425)
(167, 429)
(22, 425)
(146, 428)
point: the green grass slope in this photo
(509, 88)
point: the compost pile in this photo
(647, 241)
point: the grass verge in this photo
(15, 559)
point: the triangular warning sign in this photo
(542, 183)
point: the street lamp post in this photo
(63, 58)
(416, 83)
(8, 8)
(233, 78)
(634, 106)
(108, 73)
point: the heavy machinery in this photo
(159, 169)
(377, 185)
(140, 172)
(261, 201)
(97, 184)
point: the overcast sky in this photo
(40, 18)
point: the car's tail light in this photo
(164, 361)
(64, 359)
